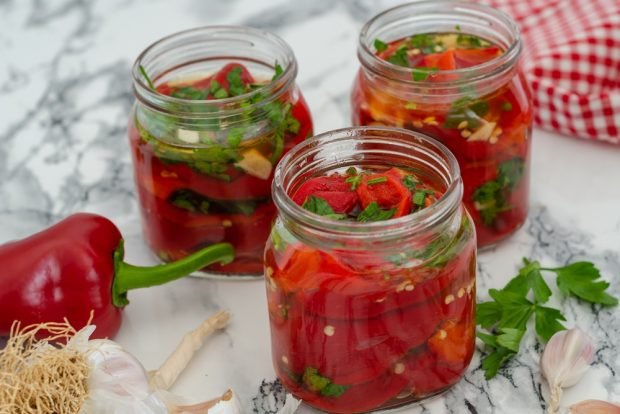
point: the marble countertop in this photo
(65, 94)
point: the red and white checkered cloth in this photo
(572, 60)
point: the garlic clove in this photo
(567, 357)
(594, 407)
(290, 405)
(565, 360)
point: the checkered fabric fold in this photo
(572, 60)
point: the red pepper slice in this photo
(355, 399)
(453, 342)
(222, 75)
(471, 57)
(391, 193)
(427, 375)
(334, 189)
(442, 61)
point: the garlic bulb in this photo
(594, 407)
(565, 360)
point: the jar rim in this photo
(400, 139)
(197, 107)
(490, 68)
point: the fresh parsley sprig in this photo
(505, 318)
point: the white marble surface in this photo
(64, 100)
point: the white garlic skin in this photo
(594, 407)
(567, 357)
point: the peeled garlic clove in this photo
(594, 407)
(567, 357)
(565, 360)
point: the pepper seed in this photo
(449, 299)
(226, 223)
(329, 330)
(399, 368)
(460, 293)
(285, 359)
(463, 125)
(441, 334)
(465, 133)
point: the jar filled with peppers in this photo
(216, 108)
(450, 70)
(370, 270)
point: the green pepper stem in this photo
(128, 277)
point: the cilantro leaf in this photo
(410, 182)
(235, 83)
(380, 46)
(421, 74)
(582, 279)
(547, 322)
(373, 212)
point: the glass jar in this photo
(203, 166)
(482, 113)
(372, 315)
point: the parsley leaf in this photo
(278, 71)
(318, 205)
(421, 74)
(400, 57)
(377, 180)
(380, 46)
(507, 315)
(410, 182)
(235, 83)
(582, 279)
(354, 180)
(374, 213)
(146, 77)
(491, 198)
(323, 385)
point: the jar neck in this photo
(198, 53)
(366, 148)
(441, 17)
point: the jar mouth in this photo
(213, 43)
(352, 146)
(430, 16)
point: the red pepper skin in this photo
(70, 269)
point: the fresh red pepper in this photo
(75, 267)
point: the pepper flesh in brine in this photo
(487, 132)
(355, 331)
(220, 188)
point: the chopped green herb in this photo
(471, 41)
(419, 197)
(220, 94)
(410, 182)
(410, 106)
(146, 77)
(278, 71)
(458, 27)
(318, 205)
(234, 137)
(400, 57)
(421, 74)
(235, 83)
(354, 181)
(323, 385)
(491, 198)
(506, 106)
(377, 180)
(374, 213)
(189, 92)
(351, 171)
(380, 46)
(506, 316)
(423, 41)
(214, 86)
